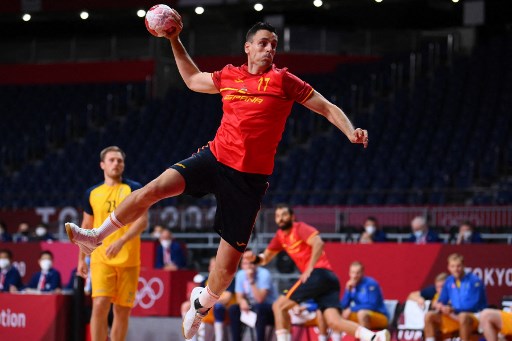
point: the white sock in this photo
(219, 331)
(430, 339)
(109, 226)
(207, 298)
(364, 334)
(283, 335)
(335, 336)
(322, 337)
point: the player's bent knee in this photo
(363, 314)
(278, 305)
(465, 318)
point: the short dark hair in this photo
(372, 218)
(284, 205)
(46, 252)
(257, 27)
(7, 252)
(111, 149)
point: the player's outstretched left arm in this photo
(195, 79)
(336, 116)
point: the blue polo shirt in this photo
(468, 296)
(366, 295)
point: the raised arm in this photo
(194, 79)
(337, 117)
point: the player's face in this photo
(456, 268)
(439, 286)
(355, 273)
(284, 219)
(113, 164)
(262, 48)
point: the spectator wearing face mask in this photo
(48, 279)
(23, 234)
(10, 278)
(421, 234)
(372, 232)
(169, 253)
(42, 234)
(467, 234)
(4, 235)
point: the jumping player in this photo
(317, 281)
(257, 99)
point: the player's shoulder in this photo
(303, 225)
(449, 280)
(230, 68)
(134, 185)
(473, 278)
(89, 190)
(278, 70)
(370, 280)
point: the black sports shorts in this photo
(322, 286)
(238, 194)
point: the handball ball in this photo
(159, 20)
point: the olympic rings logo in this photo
(152, 289)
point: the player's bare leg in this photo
(466, 326)
(338, 324)
(490, 321)
(99, 318)
(170, 183)
(202, 299)
(282, 317)
(432, 325)
(120, 324)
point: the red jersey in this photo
(296, 246)
(255, 111)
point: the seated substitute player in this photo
(430, 293)
(363, 301)
(318, 282)
(494, 321)
(257, 100)
(462, 298)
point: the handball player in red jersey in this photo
(317, 281)
(257, 99)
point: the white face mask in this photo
(45, 264)
(40, 231)
(418, 234)
(156, 235)
(466, 234)
(4, 263)
(165, 243)
(370, 229)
